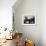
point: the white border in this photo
(28, 24)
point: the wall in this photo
(31, 7)
(43, 22)
(6, 13)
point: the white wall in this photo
(6, 13)
(43, 22)
(32, 7)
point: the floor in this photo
(9, 43)
(17, 38)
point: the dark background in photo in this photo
(29, 20)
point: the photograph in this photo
(28, 20)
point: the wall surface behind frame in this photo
(37, 8)
(29, 7)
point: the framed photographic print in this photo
(28, 20)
